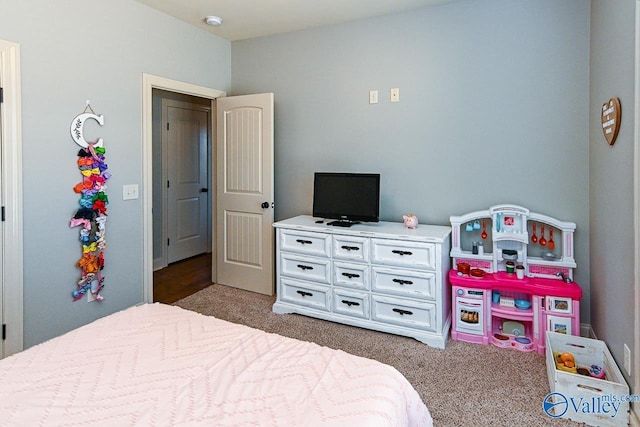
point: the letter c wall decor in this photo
(77, 128)
(92, 214)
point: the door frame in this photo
(635, 372)
(150, 82)
(12, 310)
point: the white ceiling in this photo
(243, 19)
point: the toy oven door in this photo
(470, 316)
(559, 324)
(559, 305)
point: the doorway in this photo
(234, 134)
(149, 83)
(182, 137)
(182, 177)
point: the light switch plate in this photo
(130, 192)
(373, 97)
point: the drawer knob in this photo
(350, 303)
(304, 267)
(305, 294)
(401, 253)
(350, 275)
(350, 248)
(402, 312)
(304, 242)
(403, 282)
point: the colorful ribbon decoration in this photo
(92, 216)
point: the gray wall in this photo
(611, 176)
(494, 108)
(75, 50)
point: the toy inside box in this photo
(586, 384)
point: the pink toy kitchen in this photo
(512, 278)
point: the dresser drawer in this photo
(351, 275)
(306, 294)
(351, 248)
(351, 303)
(307, 268)
(419, 315)
(305, 242)
(409, 254)
(416, 284)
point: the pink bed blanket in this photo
(160, 365)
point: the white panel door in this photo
(244, 213)
(187, 180)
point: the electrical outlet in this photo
(373, 97)
(627, 359)
(395, 95)
(90, 296)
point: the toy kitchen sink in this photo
(512, 278)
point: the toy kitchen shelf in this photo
(512, 278)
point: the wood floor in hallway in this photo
(181, 279)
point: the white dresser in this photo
(380, 276)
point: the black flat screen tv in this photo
(348, 198)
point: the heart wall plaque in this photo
(611, 120)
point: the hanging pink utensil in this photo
(552, 244)
(543, 241)
(484, 229)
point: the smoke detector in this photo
(213, 20)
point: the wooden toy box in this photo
(593, 401)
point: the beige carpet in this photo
(463, 385)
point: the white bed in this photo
(162, 365)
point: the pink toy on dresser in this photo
(410, 221)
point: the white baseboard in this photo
(158, 263)
(586, 331)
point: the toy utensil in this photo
(551, 243)
(484, 229)
(534, 238)
(542, 240)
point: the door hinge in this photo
(168, 242)
(2, 214)
(4, 332)
(1, 95)
(168, 185)
(167, 125)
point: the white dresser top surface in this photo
(395, 230)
